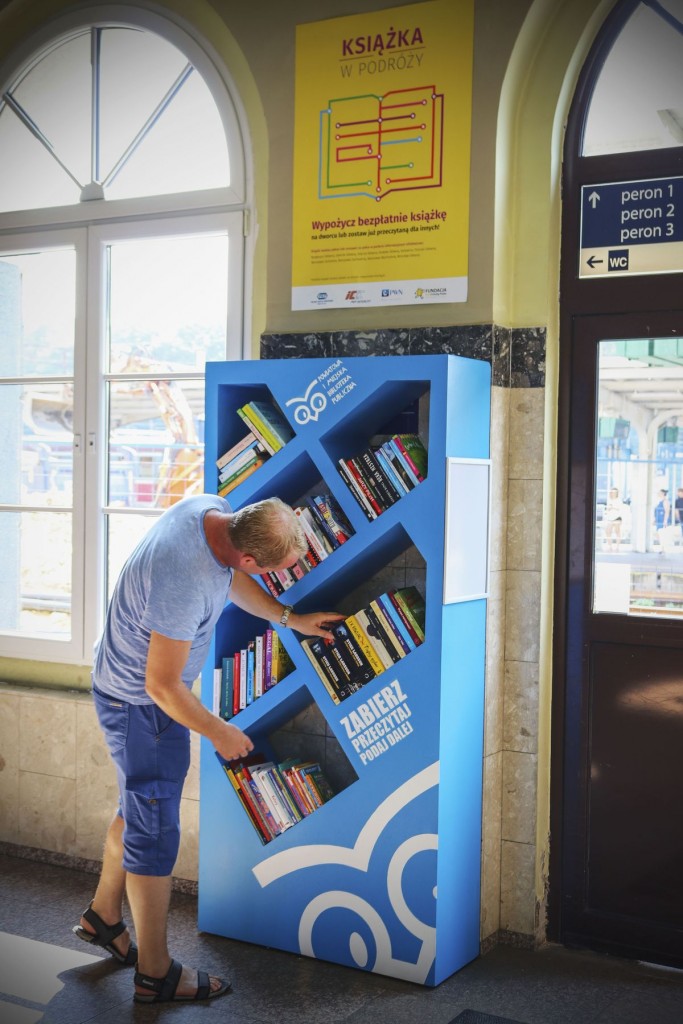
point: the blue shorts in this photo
(152, 755)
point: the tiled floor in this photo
(48, 975)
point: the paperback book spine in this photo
(350, 482)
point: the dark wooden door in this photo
(619, 809)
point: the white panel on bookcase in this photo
(466, 542)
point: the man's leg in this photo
(149, 897)
(108, 899)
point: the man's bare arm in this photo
(163, 683)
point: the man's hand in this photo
(230, 742)
(315, 623)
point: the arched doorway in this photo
(617, 827)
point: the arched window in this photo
(637, 99)
(122, 199)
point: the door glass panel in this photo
(638, 534)
(36, 551)
(167, 314)
(36, 454)
(37, 313)
(156, 454)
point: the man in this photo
(161, 617)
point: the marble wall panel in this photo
(517, 873)
(9, 766)
(518, 816)
(520, 726)
(495, 675)
(47, 812)
(500, 442)
(490, 846)
(522, 616)
(47, 728)
(527, 422)
(524, 514)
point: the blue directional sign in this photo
(632, 227)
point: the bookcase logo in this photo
(361, 857)
(309, 405)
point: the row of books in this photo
(268, 432)
(381, 474)
(326, 528)
(249, 673)
(368, 642)
(277, 796)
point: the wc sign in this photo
(632, 227)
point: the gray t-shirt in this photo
(171, 584)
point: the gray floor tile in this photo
(550, 986)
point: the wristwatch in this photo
(286, 612)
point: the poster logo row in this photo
(383, 293)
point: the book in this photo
(246, 780)
(234, 771)
(312, 533)
(400, 608)
(226, 688)
(383, 486)
(253, 427)
(414, 453)
(390, 471)
(332, 541)
(385, 602)
(361, 669)
(414, 606)
(285, 795)
(236, 665)
(258, 666)
(315, 776)
(392, 455)
(365, 484)
(392, 632)
(216, 697)
(231, 468)
(363, 641)
(250, 672)
(243, 678)
(271, 421)
(262, 776)
(243, 443)
(400, 460)
(376, 629)
(329, 672)
(333, 515)
(231, 484)
(267, 659)
(376, 643)
(355, 490)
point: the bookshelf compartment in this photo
(381, 456)
(267, 432)
(295, 733)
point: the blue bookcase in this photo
(385, 877)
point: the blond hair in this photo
(269, 531)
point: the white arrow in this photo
(594, 199)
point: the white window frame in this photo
(91, 226)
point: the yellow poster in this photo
(382, 157)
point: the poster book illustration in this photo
(374, 145)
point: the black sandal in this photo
(163, 990)
(104, 936)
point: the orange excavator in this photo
(181, 471)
